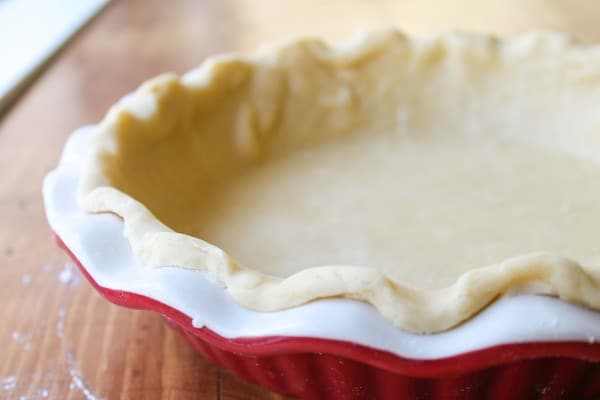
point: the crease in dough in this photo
(243, 151)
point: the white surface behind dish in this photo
(31, 31)
(98, 241)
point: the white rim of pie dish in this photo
(98, 242)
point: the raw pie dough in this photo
(424, 176)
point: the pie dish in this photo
(398, 204)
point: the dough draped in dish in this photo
(162, 151)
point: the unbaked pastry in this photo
(424, 176)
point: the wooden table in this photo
(58, 338)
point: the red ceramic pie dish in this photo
(527, 338)
(311, 368)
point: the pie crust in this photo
(424, 176)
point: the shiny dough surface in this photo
(425, 176)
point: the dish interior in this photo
(404, 204)
(423, 176)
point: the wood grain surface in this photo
(58, 338)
